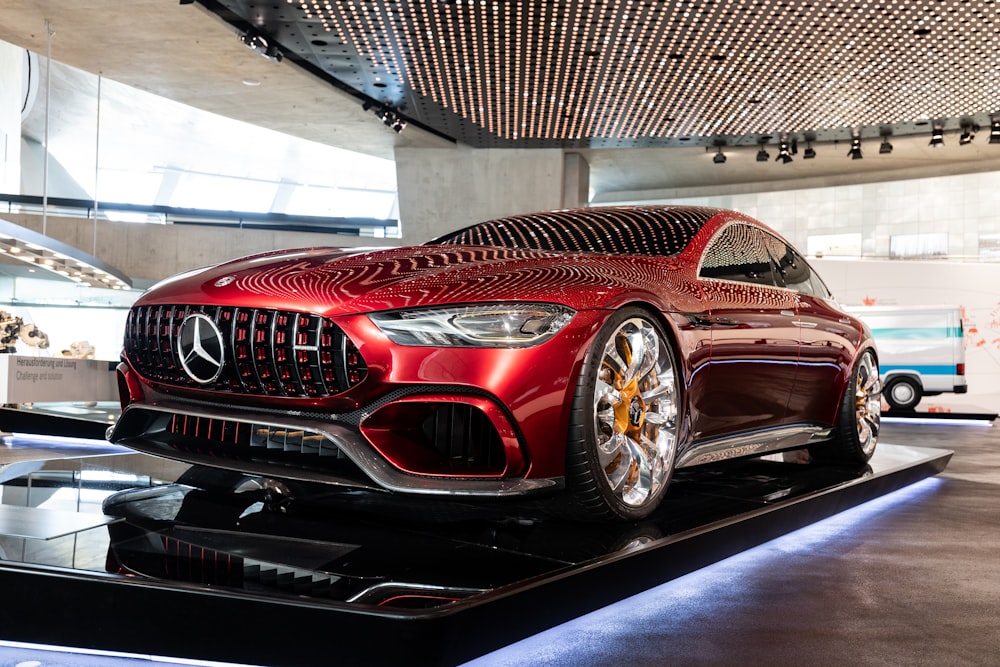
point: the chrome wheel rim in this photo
(867, 403)
(635, 412)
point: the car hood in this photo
(333, 281)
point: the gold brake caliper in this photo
(630, 412)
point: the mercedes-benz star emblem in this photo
(199, 345)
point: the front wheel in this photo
(624, 421)
(860, 417)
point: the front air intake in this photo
(464, 438)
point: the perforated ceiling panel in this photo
(650, 73)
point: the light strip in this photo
(64, 260)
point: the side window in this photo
(737, 253)
(778, 251)
(794, 272)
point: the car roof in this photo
(621, 230)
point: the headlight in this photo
(493, 325)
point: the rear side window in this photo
(737, 253)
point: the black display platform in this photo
(218, 568)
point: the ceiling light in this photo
(995, 130)
(968, 134)
(784, 153)
(885, 148)
(855, 152)
(719, 157)
(36, 249)
(763, 155)
(390, 117)
(937, 137)
(261, 44)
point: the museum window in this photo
(918, 246)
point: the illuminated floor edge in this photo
(152, 616)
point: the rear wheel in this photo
(860, 417)
(903, 393)
(624, 421)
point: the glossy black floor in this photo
(508, 576)
(909, 579)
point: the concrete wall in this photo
(449, 188)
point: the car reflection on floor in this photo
(219, 528)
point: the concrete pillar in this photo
(11, 100)
(443, 189)
(576, 181)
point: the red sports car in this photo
(590, 351)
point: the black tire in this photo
(622, 439)
(903, 393)
(859, 420)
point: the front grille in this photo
(267, 352)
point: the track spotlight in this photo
(995, 130)
(885, 148)
(784, 153)
(855, 152)
(719, 157)
(937, 137)
(389, 116)
(261, 44)
(809, 153)
(968, 134)
(763, 155)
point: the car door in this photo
(829, 338)
(755, 335)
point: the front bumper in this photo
(301, 446)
